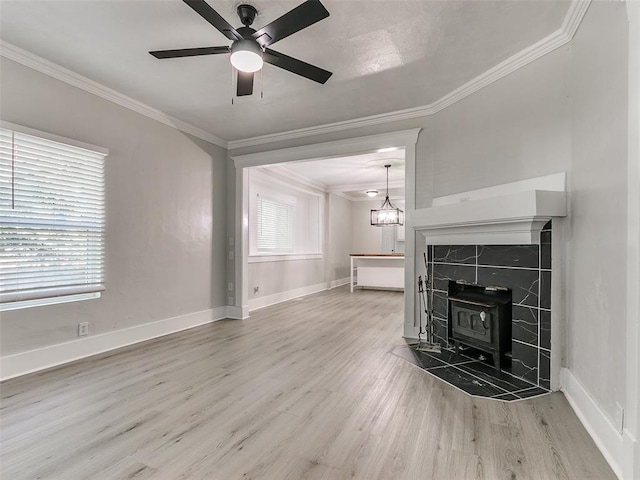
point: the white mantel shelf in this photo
(512, 219)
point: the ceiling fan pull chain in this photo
(233, 82)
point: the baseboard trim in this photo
(268, 300)
(42, 358)
(237, 313)
(340, 282)
(608, 440)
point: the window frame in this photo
(56, 294)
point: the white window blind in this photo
(52, 218)
(275, 226)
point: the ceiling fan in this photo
(249, 49)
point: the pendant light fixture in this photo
(387, 215)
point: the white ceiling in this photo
(351, 176)
(384, 55)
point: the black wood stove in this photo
(480, 317)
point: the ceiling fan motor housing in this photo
(247, 14)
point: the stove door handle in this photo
(483, 315)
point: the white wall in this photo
(596, 276)
(339, 237)
(165, 201)
(365, 238)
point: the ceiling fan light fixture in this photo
(246, 56)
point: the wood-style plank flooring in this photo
(306, 389)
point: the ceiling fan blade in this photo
(245, 84)
(189, 52)
(302, 16)
(296, 66)
(210, 15)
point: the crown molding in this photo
(557, 39)
(560, 37)
(379, 185)
(53, 70)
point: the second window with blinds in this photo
(285, 220)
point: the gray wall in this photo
(166, 225)
(597, 254)
(340, 237)
(365, 238)
(564, 112)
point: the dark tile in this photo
(524, 361)
(547, 226)
(443, 273)
(531, 392)
(465, 381)
(430, 253)
(544, 366)
(523, 283)
(448, 356)
(545, 249)
(440, 304)
(507, 397)
(442, 334)
(455, 254)
(417, 358)
(468, 353)
(524, 326)
(545, 289)
(545, 329)
(496, 377)
(525, 256)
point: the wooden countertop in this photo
(376, 254)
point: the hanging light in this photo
(387, 215)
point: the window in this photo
(285, 218)
(275, 226)
(52, 219)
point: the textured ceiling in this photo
(385, 55)
(352, 175)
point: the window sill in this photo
(41, 302)
(283, 257)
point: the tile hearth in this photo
(470, 373)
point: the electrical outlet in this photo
(619, 417)
(230, 286)
(83, 329)
(229, 300)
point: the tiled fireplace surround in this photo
(526, 269)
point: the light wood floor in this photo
(302, 390)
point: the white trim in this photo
(261, 302)
(237, 313)
(511, 219)
(283, 257)
(344, 147)
(363, 187)
(560, 37)
(615, 447)
(555, 182)
(41, 65)
(557, 39)
(53, 137)
(41, 302)
(42, 358)
(339, 282)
